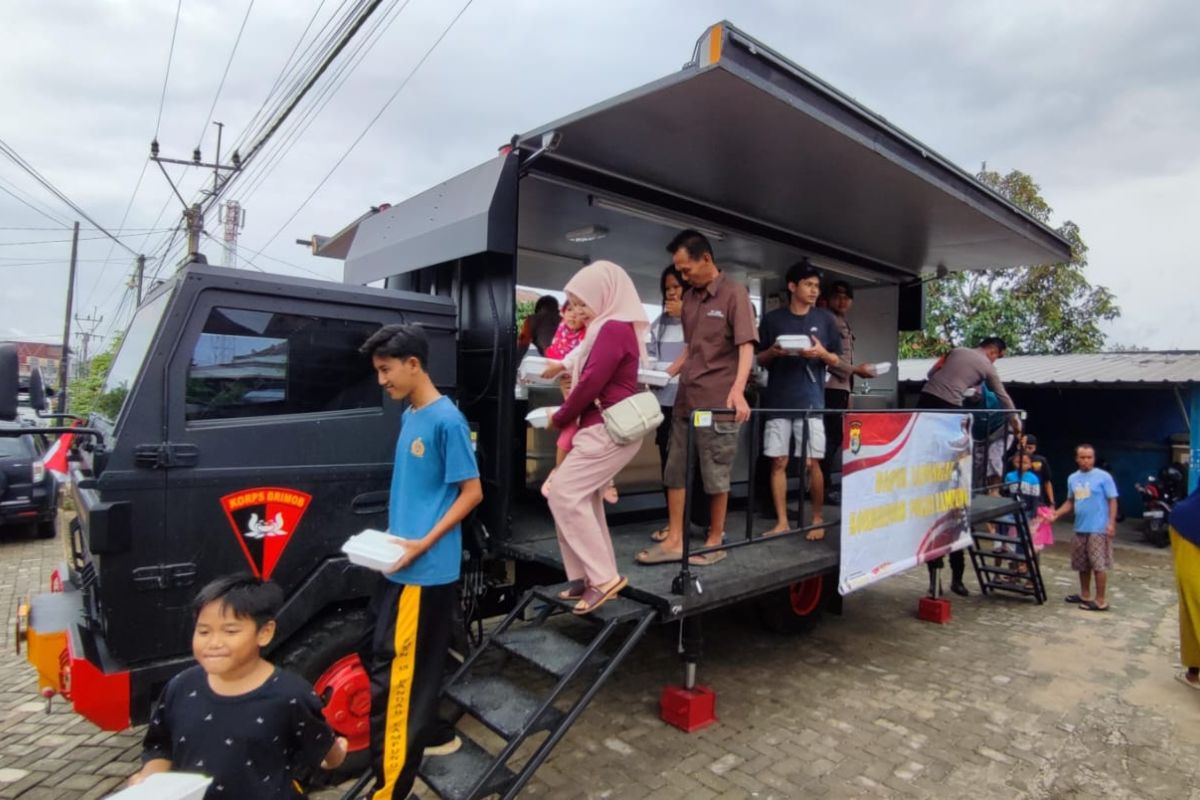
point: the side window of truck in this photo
(250, 363)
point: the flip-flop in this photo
(1074, 598)
(1090, 605)
(1182, 678)
(655, 554)
(594, 597)
(573, 591)
(707, 559)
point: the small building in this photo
(35, 355)
(1134, 407)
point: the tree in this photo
(1047, 308)
(86, 391)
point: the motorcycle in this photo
(1159, 495)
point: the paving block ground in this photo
(1009, 700)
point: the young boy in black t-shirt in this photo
(255, 729)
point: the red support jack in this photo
(688, 709)
(934, 609)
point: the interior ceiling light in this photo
(588, 233)
(662, 218)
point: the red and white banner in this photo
(906, 492)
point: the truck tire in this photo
(46, 529)
(794, 609)
(324, 654)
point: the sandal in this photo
(657, 555)
(1074, 598)
(707, 559)
(661, 534)
(1091, 605)
(1182, 677)
(573, 590)
(594, 597)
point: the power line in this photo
(120, 230)
(47, 215)
(224, 74)
(367, 129)
(66, 241)
(16, 158)
(283, 115)
(254, 180)
(162, 100)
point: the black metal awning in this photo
(746, 139)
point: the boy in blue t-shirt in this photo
(435, 484)
(1092, 494)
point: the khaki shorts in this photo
(777, 433)
(716, 449)
(1092, 552)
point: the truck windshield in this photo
(129, 357)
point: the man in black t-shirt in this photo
(796, 380)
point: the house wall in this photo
(1130, 428)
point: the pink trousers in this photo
(577, 502)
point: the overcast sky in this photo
(1099, 101)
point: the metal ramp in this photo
(998, 568)
(503, 704)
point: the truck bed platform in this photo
(746, 572)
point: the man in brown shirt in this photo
(719, 331)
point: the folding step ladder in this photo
(1008, 577)
(515, 713)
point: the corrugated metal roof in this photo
(1176, 366)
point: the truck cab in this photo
(242, 431)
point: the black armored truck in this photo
(242, 430)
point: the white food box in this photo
(883, 367)
(540, 417)
(531, 370)
(653, 377)
(794, 342)
(166, 786)
(373, 549)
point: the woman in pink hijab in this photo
(603, 372)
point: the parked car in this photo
(28, 492)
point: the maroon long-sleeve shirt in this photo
(609, 375)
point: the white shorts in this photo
(778, 432)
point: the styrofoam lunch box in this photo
(653, 377)
(540, 417)
(531, 370)
(883, 367)
(166, 786)
(794, 342)
(373, 549)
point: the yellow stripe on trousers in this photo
(395, 732)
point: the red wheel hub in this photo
(348, 710)
(805, 596)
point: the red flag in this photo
(55, 459)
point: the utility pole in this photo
(86, 336)
(141, 274)
(193, 213)
(66, 340)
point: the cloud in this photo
(1098, 101)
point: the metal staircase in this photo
(486, 691)
(1019, 570)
